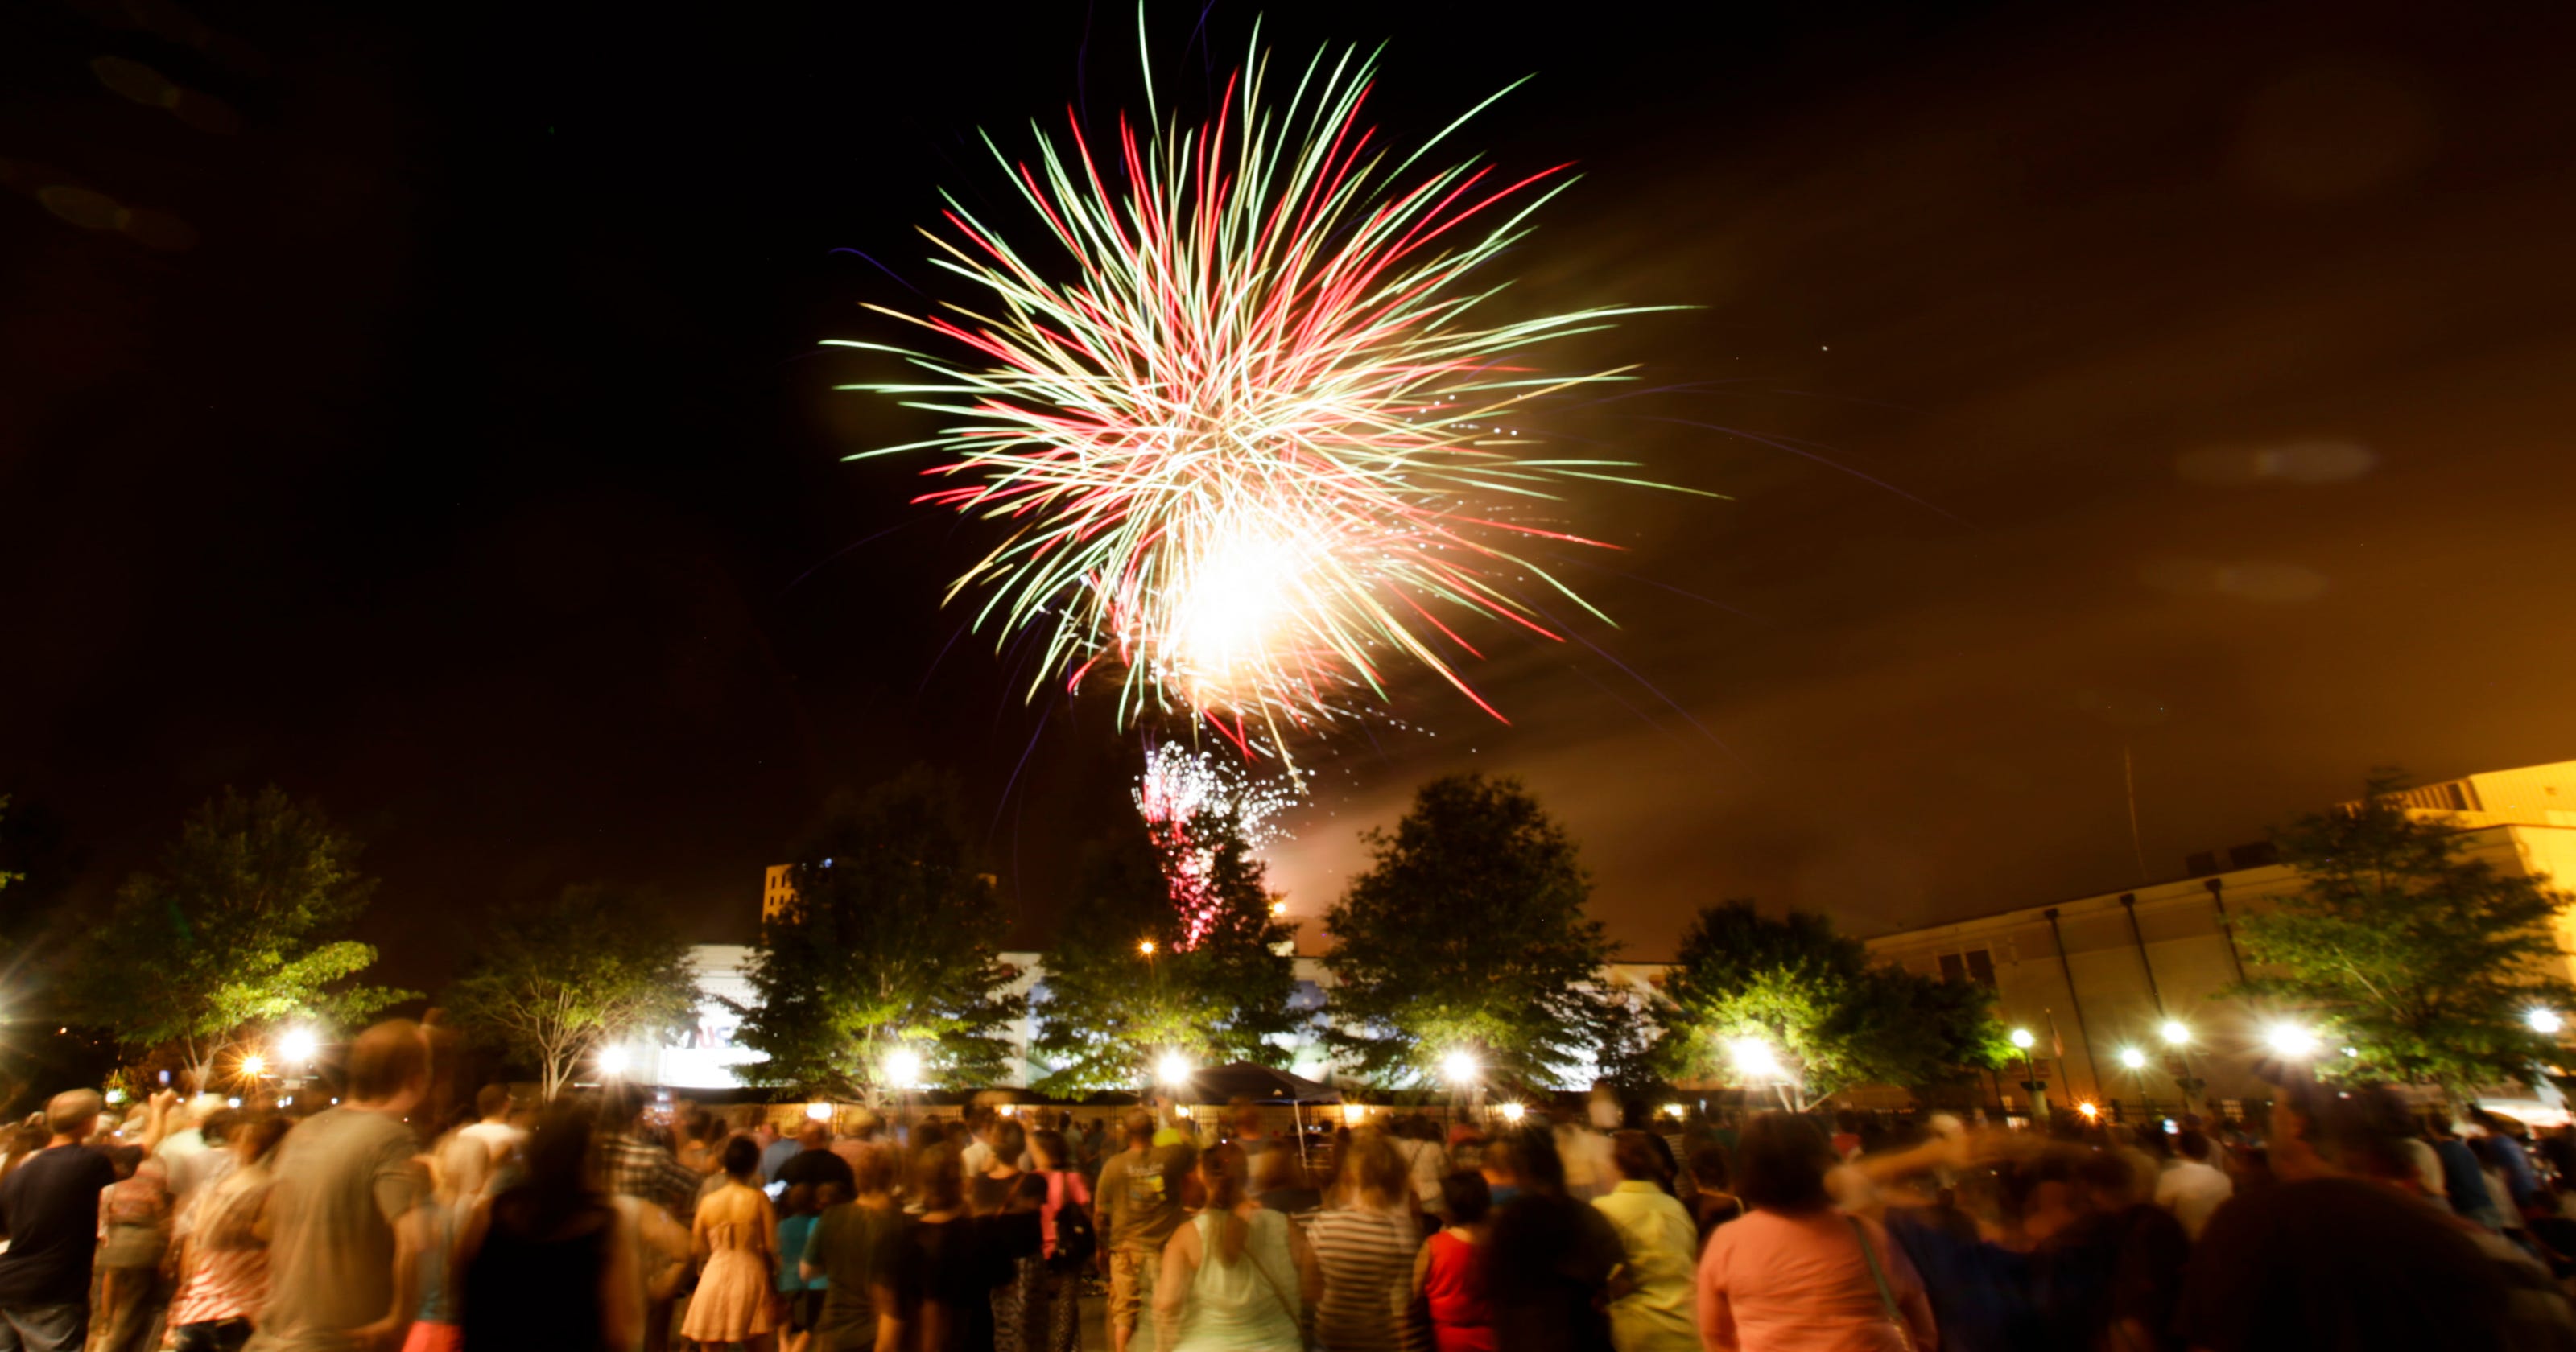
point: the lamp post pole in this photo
(2022, 1039)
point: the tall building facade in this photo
(2097, 976)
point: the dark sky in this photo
(424, 412)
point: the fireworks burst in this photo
(1247, 420)
(1182, 796)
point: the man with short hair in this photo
(49, 1207)
(2339, 1254)
(1139, 1201)
(493, 1127)
(2193, 1187)
(345, 1177)
(815, 1162)
(634, 1166)
(978, 1154)
(775, 1149)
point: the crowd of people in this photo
(2351, 1219)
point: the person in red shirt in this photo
(1449, 1272)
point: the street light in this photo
(1458, 1067)
(2290, 1042)
(2177, 1035)
(2544, 1020)
(1145, 947)
(613, 1060)
(1754, 1059)
(299, 1046)
(2135, 1060)
(253, 1066)
(2021, 1038)
(1512, 1112)
(903, 1068)
(1173, 1069)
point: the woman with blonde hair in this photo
(1364, 1240)
(1237, 1278)
(425, 1279)
(222, 1252)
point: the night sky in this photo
(424, 412)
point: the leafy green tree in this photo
(1108, 1010)
(887, 946)
(1817, 1006)
(2423, 960)
(554, 983)
(243, 926)
(1468, 932)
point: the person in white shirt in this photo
(2193, 1188)
(494, 1132)
(186, 1157)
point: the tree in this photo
(885, 948)
(1108, 1009)
(243, 926)
(1817, 1007)
(1468, 932)
(2424, 961)
(555, 982)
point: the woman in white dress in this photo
(1237, 1278)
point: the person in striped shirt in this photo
(222, 1261)
(1365, 1238)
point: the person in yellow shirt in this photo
(1658, 1310)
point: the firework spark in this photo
(1247, 421)
(1183, 796)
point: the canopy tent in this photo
(1260, 1084)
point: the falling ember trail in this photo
(1184, 796)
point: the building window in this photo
(1977, 965)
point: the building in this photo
(2095, 976)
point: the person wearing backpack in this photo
(1066, 1238)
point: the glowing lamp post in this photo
(2134, 1059)
(1757, 1062)
(2177, 1035)
(1173, 1070)
(2291, 1042)
(297, 1049)
(253, 1065)
(1512, 1112)
(2544, 1020)
(900, 1070)
(614, 1061)
(2030, 1083)
(1460, 1070)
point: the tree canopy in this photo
(1810, 995)
(1467, 932)
(2424, 961)
(554, 983)
(1107, 1010)
(889, 945)
(242, 926)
